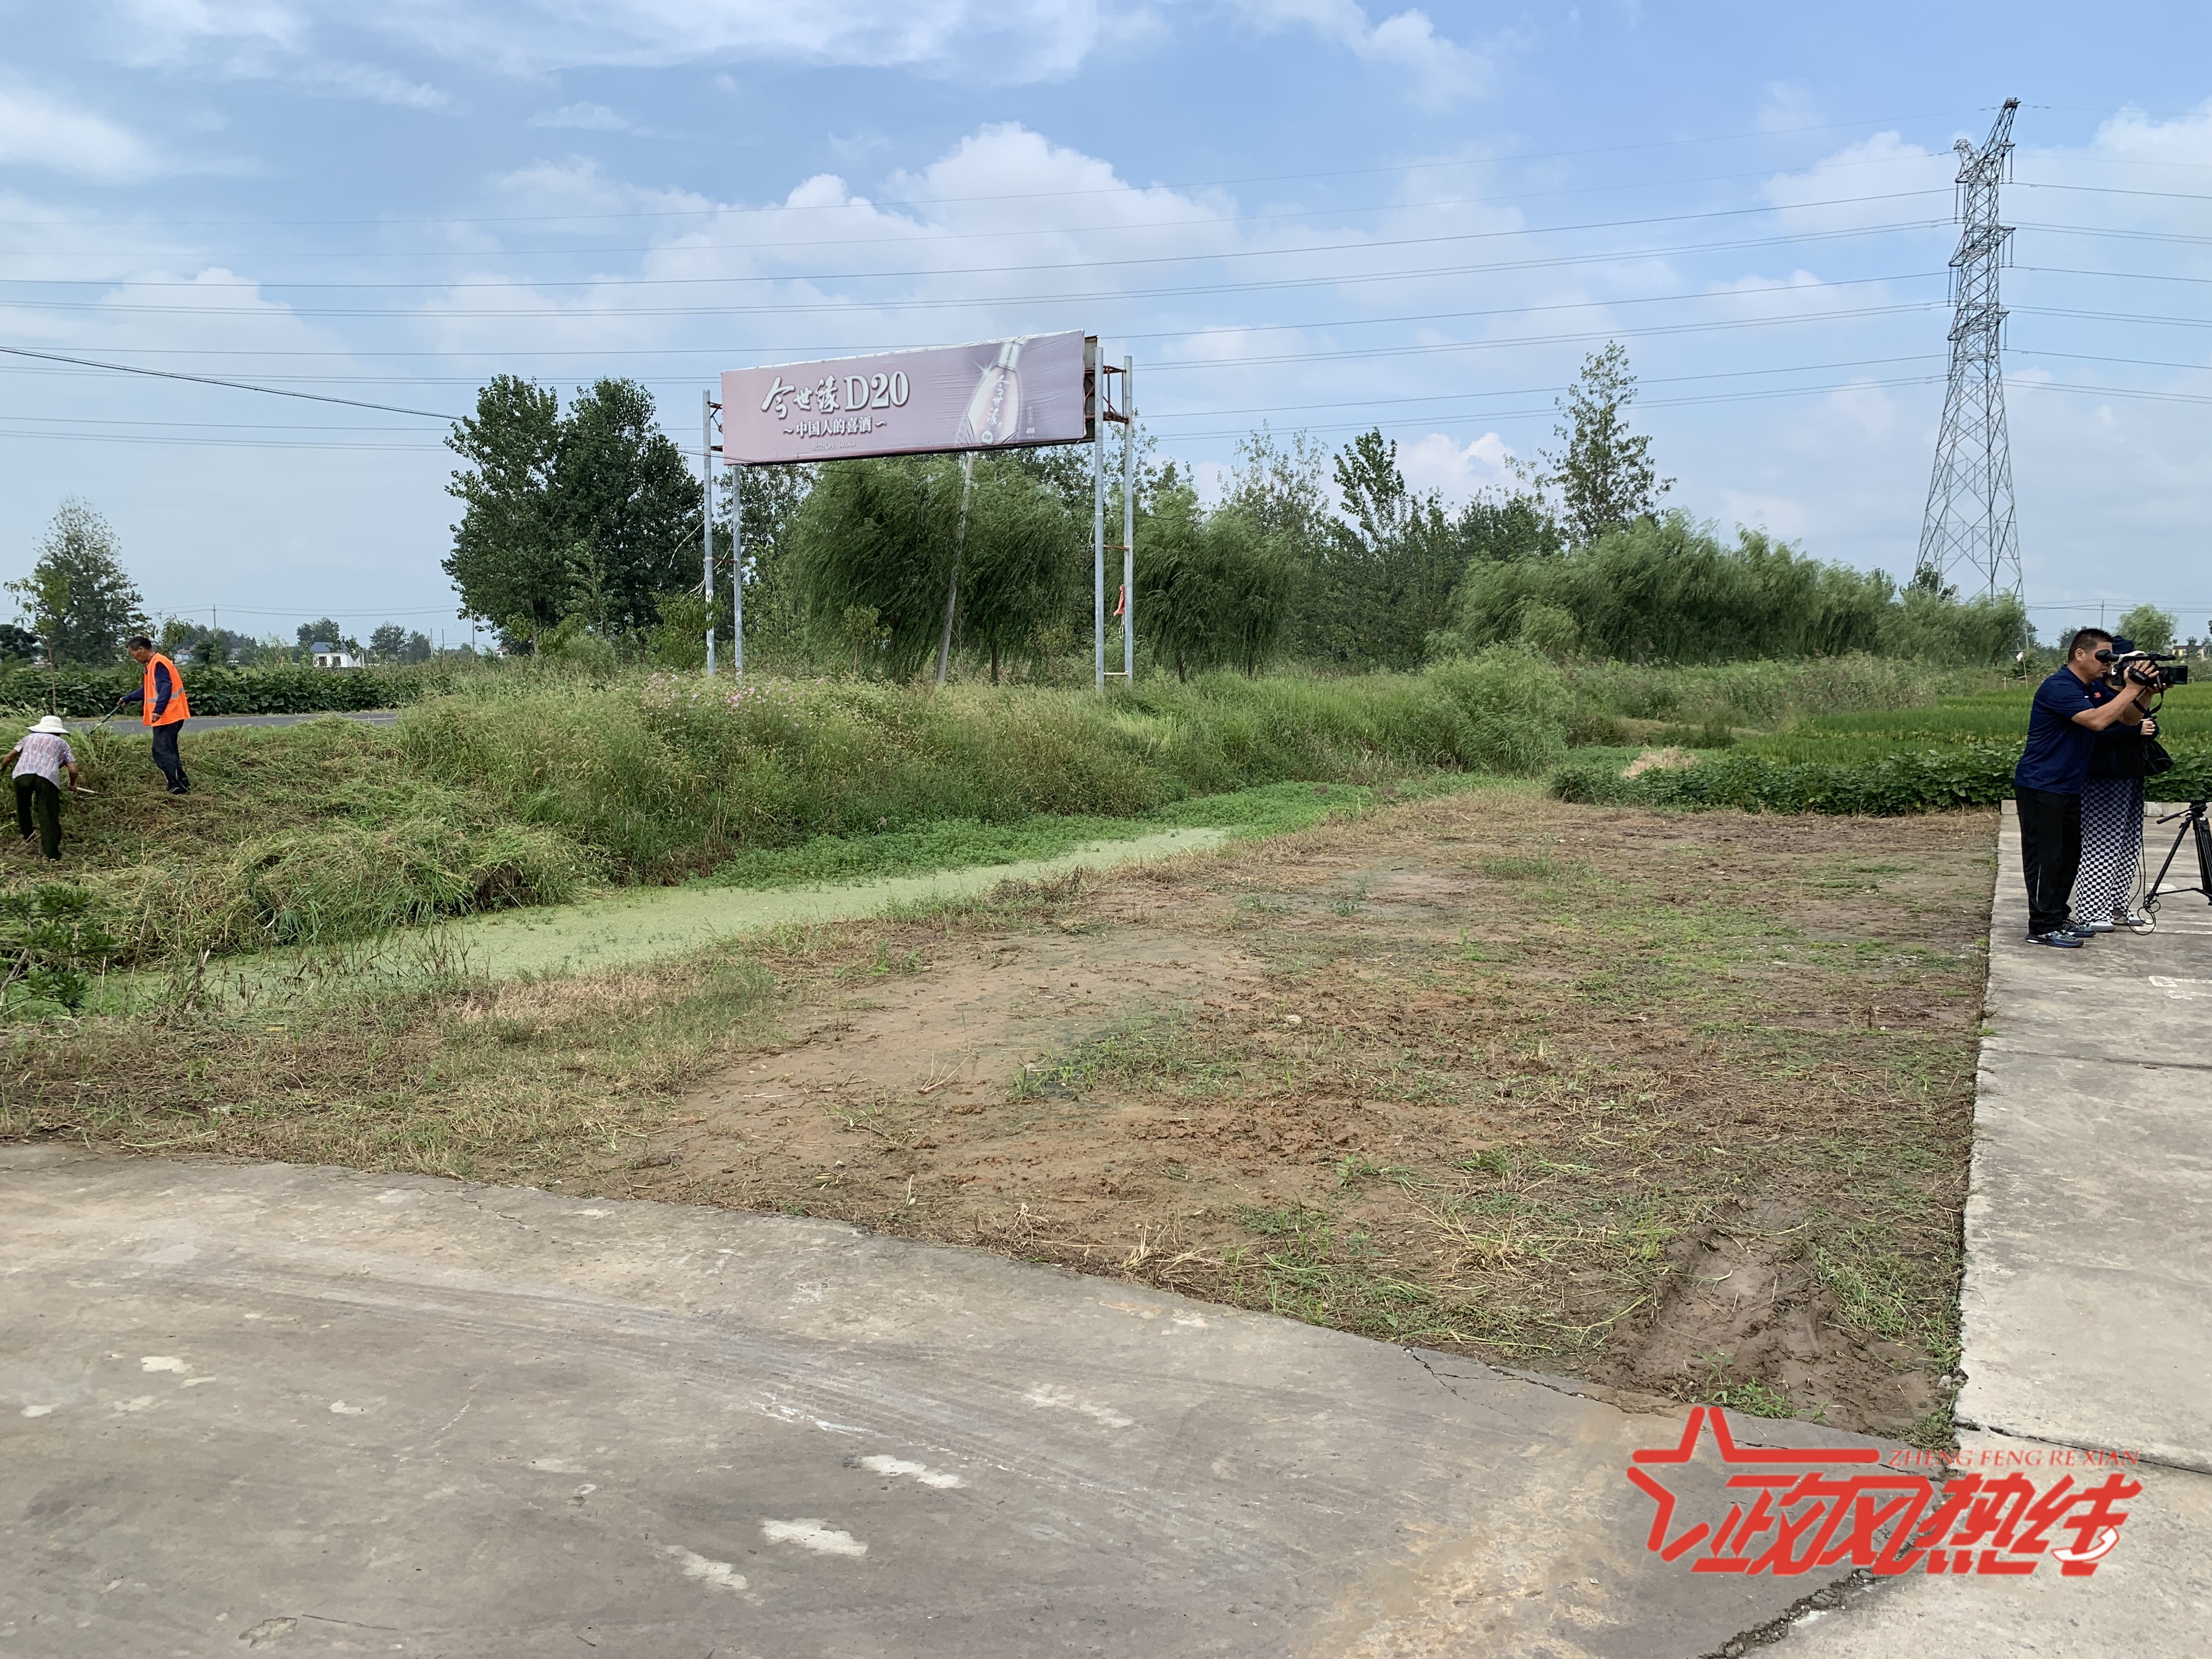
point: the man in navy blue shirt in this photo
(2071, 708)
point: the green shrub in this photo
(89, 693)
(1666, 590)
(52, 942)
(1914, 780)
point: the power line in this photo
(966, 302)
(1762, 394)
(207, 379)
(1319, 248)
(937, 233)
(1116, 188)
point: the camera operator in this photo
(2112, 817)
(2071, 708)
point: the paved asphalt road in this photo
(128, 721)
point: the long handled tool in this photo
(104, 719)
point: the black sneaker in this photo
(2058, 941)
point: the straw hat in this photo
(51, 724)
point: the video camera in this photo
(2157, 670)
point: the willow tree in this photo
(1213, 589)
(884, 535)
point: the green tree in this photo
(387, 643)
(1666, 590)
(628, 506)
(1393, 558)
(1501, 529)
(1602, 473)
(325, 631)
(878, 535)
(2150, 628)
(1212, 588)
(509, 559)
(593, 512)
(1022, 556)
(77, 599)
(770, 497)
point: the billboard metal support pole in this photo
(959, 545)
(737, 573)
(1128, 521)
(1098, 542)
(707, 514)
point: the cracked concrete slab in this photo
(2087, 1301)
(310, 1411)
(2087, 1305)
(2152, 1598)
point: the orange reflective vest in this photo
(179, 709)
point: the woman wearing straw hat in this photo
(39, 760)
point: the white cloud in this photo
(1441, 70)
(1788, 108)
(1881, 181)
(380, 85)
(1012, 41)
(254, 40)
(38, 130)
(1457, 470)
(584, 118)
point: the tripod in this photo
(2193, 823)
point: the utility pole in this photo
(1968, 528)
(707, 516)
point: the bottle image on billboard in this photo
(994, 412)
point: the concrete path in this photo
(312, 1411)
(2087, 1302)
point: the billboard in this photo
(995, 394)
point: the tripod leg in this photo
(2204, 849)
(2158, 882)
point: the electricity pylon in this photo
(1969, 527)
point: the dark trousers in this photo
(165, 756)
(2051, 852)
(36, 794)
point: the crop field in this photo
(1999, 717)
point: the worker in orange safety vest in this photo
(166, 710)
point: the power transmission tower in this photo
(1969, 525)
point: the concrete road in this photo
(2088, 1300)
(128, 721)
(312, 1411)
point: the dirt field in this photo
(1678, 1104)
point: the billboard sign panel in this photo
(992, 395)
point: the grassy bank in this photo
(529, 789)
(534, 785)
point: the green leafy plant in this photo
(53, 944)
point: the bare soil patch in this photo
(1676, 1104)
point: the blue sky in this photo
(1302, 211)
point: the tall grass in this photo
(525, 787)
(674, 775)
(1764, 694)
